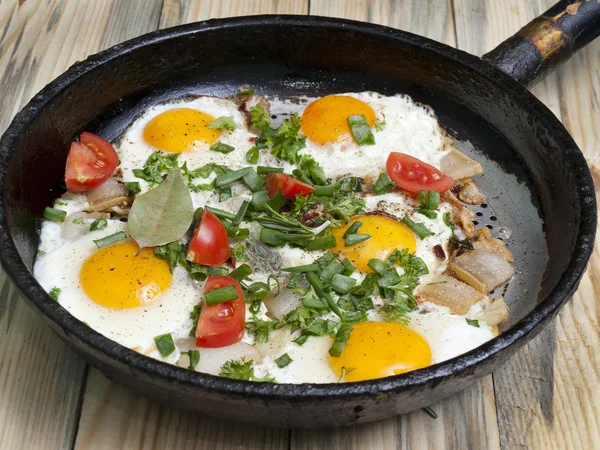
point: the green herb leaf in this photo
(222, 148)
(54, 293)
(473, 322)
(223, 123)
(242, 369)
(98, 224)
(252, 155)
(194, 356)
(360, 129)
(133, 187)
(283, 361)
(157, 164)
(165, 344)
(260, 329)
(383, 184)
(163, 214)
(194, 315)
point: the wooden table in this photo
(546, 397)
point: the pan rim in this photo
(22, 277)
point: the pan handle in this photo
(547, 41)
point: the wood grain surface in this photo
(546, 397)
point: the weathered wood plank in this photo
(547, 395)
(40, 378)
(477, 423)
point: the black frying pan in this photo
(536, 180)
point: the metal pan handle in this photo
(547, 41)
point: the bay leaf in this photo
(162, 214)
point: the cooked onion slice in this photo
(279, 306)
(496, 246)
(448, 291)
(108, 194)
(482, 269)
(495, 313)
(469, 193)
(458, 165)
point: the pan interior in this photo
(520, 155)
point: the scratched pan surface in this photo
(539, 193)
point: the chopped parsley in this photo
(133, 187)
(223, 123)
(54, 293)
(383, 184)
(241, 369)
(194, 315)
(473, 322)
(260, 329)
(156, 166)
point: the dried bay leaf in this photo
(162, 214)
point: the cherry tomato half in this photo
(210, 244)
(414, 175)
(90, 163)
(289, 187)
(222, 324)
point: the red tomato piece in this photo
(414, 175)
(210, 244)
(289, 187)
(222, 324)
(90, 163)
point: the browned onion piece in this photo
(496, 246)
(495, 313)
(482, 269)
(448, 291)
(458, 165)
(108, 194)
(469, 193)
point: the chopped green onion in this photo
(327, 190)
(196, 218)
(221, 214)
(277, 202)
(78, 221)
(220, 295)
(360, 129)
(418, 228)
(59, 203)
(283, 360)
(230, 177)
(342, 284)
(223, 123)
(224, 193)
(263, 170)
(98, 224)
(383, 184)
(473, 322)
(317, 285)
(353, 239)
(349, 268)
(378, 266)
(222, 148)
(55, 215)
(328, 271)
(111, 239)
(319, 304)
(271, 237)
(321, 243)
(164, 344)
(351, 184)
(448, 221)
(246, 92)
(241, 273)
(241, 212)
(253, 180)
(133, 187)
(352, 229)
(252, 155)
(194, 356)
(259, 198)
(429, 199)
(301, 269)
(430, 214)
(340, 340)
(238, 233)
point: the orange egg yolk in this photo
(176, 130)
(115, 277)
(387, 235)
(326, 119)
(381, 349)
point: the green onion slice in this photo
(230, 177)
(352, 229)
(263, 170)
(55, 215)
(321, 243)
(165, 344)
(283, 360)
(341, 338)
(220, 295)
(342, 284)
(110, 239)
(353, 239)
(222, 148)
(252, 155)
(302, 269)
(360, 129)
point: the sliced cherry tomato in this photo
(210, 244)
(222, 324)
(90, 163)
(289, 187)
(414, 175)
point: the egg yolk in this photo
(381, 349)
(387, 235)
(176, 130)
(326, 119)
(115, 277)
